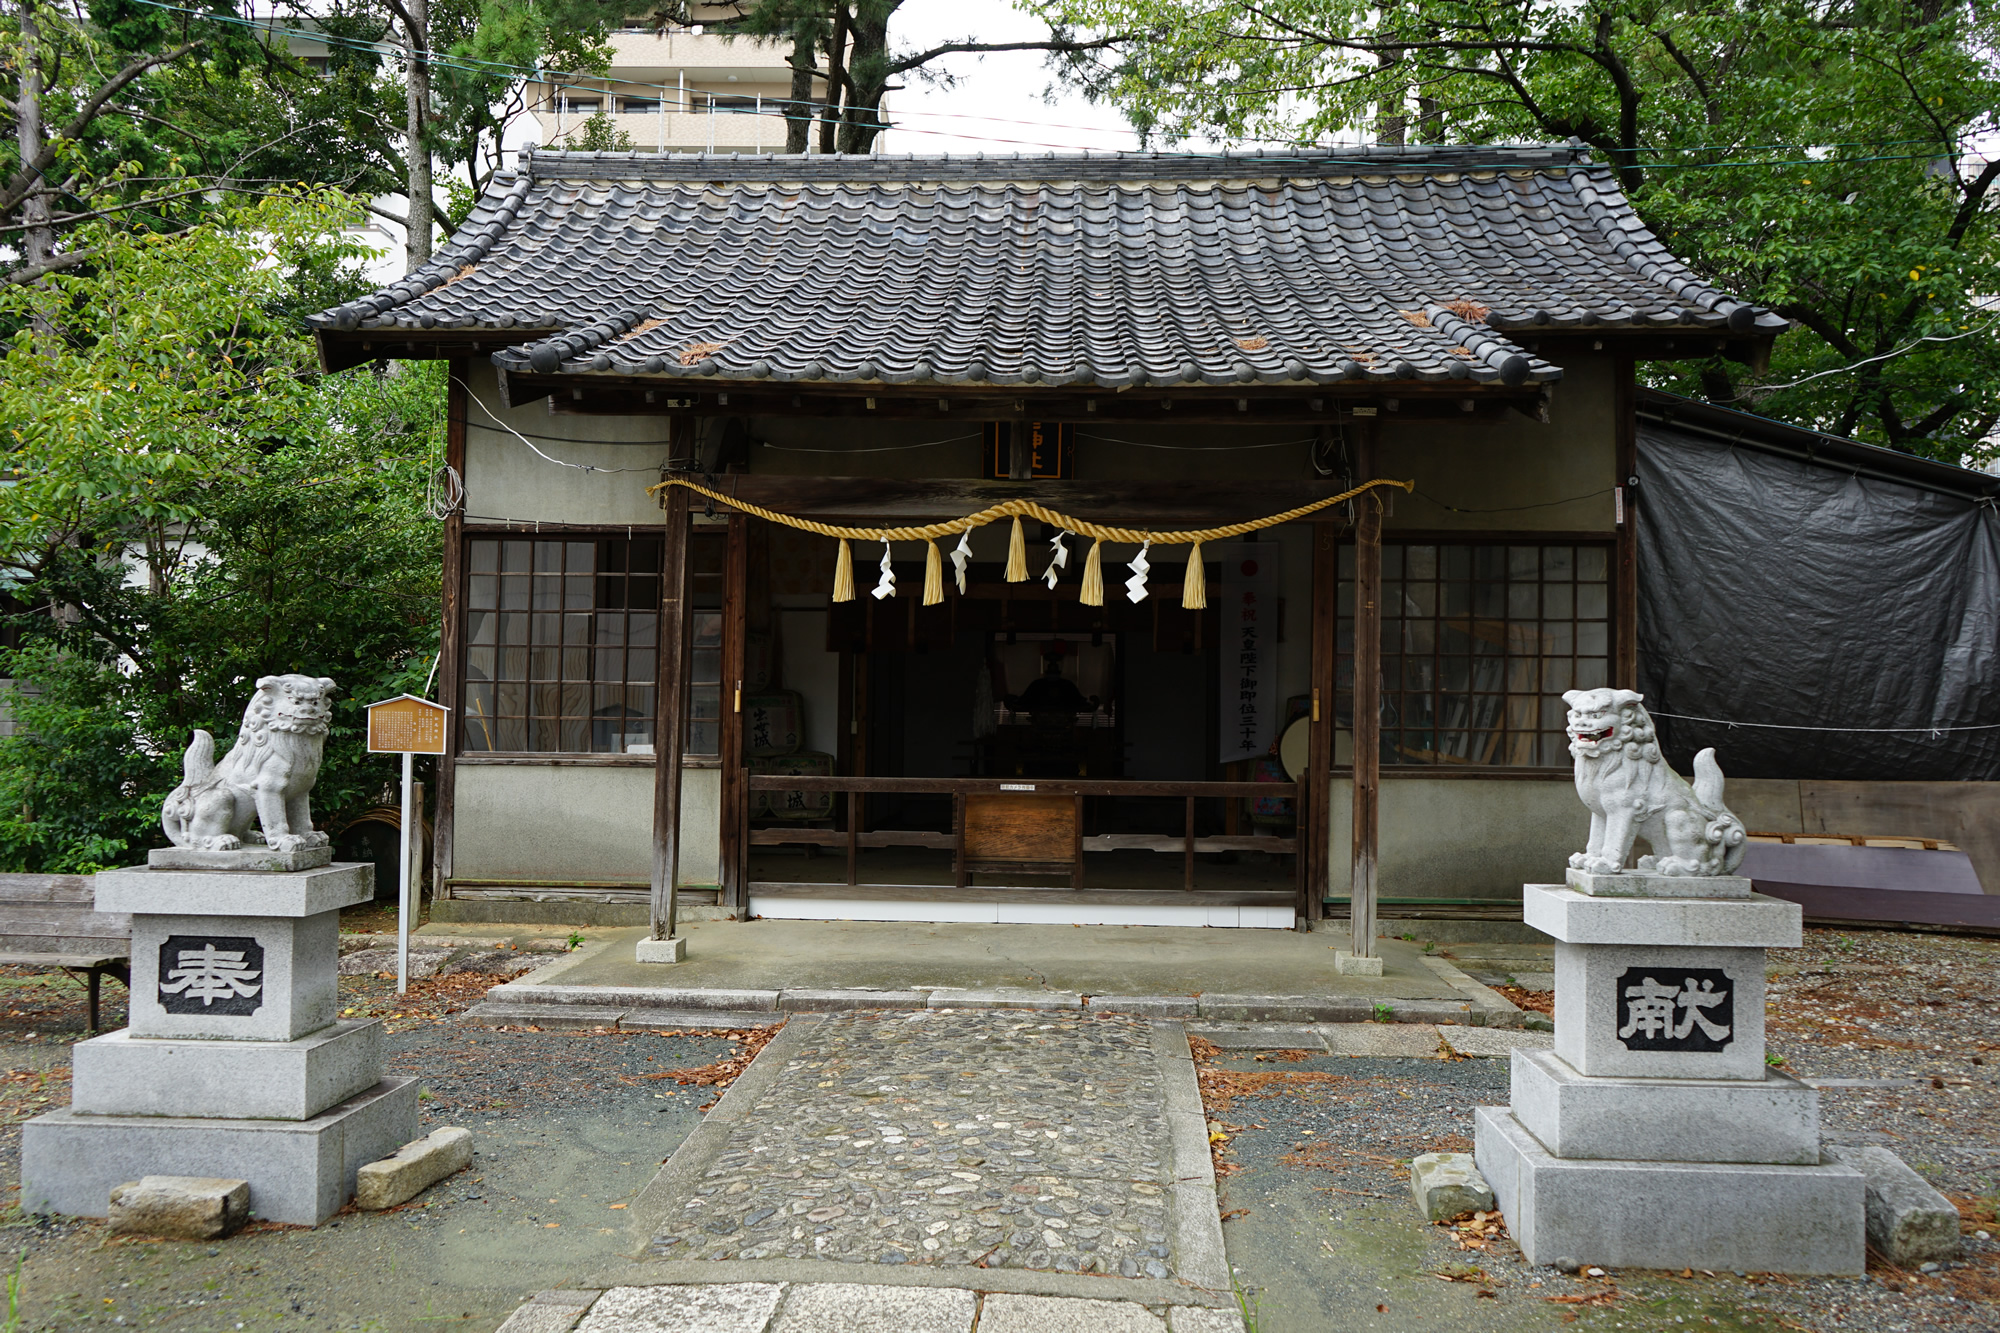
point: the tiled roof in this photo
(1111, 271)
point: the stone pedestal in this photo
(234, 1065)
(1654, 1135)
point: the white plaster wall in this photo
(504, 479)
(561, 823)
(1506, 471)
(813, 671)
(1462, 837)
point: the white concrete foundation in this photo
(1640, 1214)
(299, 1171)
(120, 1073)
(674, 950)
(1775, 1122)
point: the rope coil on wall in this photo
(1194, 594)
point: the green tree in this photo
(1808, 155)
(196, 506)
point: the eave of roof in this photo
(1747, 428)
(1288, 272)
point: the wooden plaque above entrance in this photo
(1157, 504)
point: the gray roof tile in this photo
(1133, 269)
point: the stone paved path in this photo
(1002, 1139)
(924, 1171)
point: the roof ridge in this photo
(1359, 159)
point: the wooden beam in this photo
(1367, 704)
(1135, 504)
(1625, 581)
(451, 637)
(670, 716)
(735, 791)
(1313, 814)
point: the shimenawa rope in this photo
(1193, 592)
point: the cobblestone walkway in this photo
(996, 1139)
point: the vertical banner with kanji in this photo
(1247, 633)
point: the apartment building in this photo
(693, 89)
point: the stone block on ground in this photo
(412, 1168)
(550, 1312)
(1491, 1042)
(662, 951)
(1774, 1121)
(722, 1307)
(1060, 1314)
(1200, 1319)
(1404, 1039)
(1909, 1223)
(1260, 1036)
(1353, 965)
(1448, 1185)
(181, 1207)
(1744, 1217)
(851, 1307)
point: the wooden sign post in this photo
(408, 726)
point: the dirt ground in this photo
(569, 1128)
(1324, 1234)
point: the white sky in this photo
(997, 105)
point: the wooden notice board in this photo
(1006, 830)
(406, 725)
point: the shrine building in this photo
(690, 397)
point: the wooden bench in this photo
(52, 921)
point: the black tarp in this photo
(1799, 591)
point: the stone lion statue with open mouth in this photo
(261, 791)
(1631, 793)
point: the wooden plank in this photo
(958, 871)
(1160, 842)
(853, 836)
(47, 889)
(1314, 814)
(60, 958)
(1625, 586)
(1015, 893)
(1009, 826)
(1008, 786)
(1133, 504)
(1187, 849)
(670, 715)
(1367, 704)
(451, 635)
(1076, 846)
(735, 791)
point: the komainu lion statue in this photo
(267, 778)
(1631, 793)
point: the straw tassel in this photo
(843, 574)
(933, 575)
(1092, 592)
(1017, 554)
(1194, 591)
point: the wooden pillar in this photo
(735, 779)
(451, 634)
(670, 715)
(1367, 703)
(1625, 583)
(1314, 817)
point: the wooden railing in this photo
(981, 832)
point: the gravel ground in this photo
(569, 1127)
(1317, 1154)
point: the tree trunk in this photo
(37, 236)
(868, 69)
(836, 67)
(799, 115)
(417, 93)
